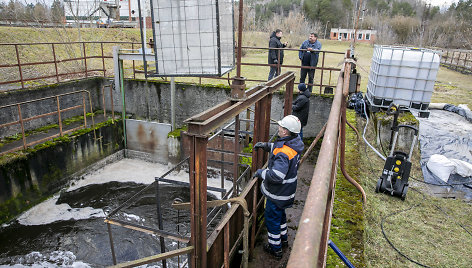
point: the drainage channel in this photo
(68, 230)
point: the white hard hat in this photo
(292, 123)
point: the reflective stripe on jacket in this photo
(280, 176)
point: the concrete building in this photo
(366, 36)
(86, 9)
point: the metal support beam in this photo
(198, 199)
(172, 102)
(236, 156)
(209, 120)
(288, 97)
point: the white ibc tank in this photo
(402, 75)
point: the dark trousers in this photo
(274, 71)
(311, 75)
(276, 223)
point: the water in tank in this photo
(402, 75)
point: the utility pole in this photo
(424, 18)
(326, 26)
(117, 3)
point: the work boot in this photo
(284, 244)
(276, 253)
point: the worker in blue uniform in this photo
(279, 181)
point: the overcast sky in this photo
(446, 3)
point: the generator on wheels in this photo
(396, 171)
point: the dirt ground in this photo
(262, 259)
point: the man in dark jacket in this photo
(309, 58)
(301, 106)
(279, 181)
(274, 58)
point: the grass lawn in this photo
(427, 229)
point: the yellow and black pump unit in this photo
(396, 171)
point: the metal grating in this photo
(193, 38)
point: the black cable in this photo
(404, 210)
(380, 141)
(424, 182)
(442, 210)
(391, 244)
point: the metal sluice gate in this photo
(240, 224)
(237, 228)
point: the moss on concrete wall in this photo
(32, 175)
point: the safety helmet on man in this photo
(291, 122)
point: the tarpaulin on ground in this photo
(450, 135)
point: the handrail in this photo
(52, 73)
(21, 120)
(312, 234)
(99, 67)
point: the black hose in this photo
(405, 210)
(424, 182)
(390, 242)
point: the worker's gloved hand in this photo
(276, 61)
(263, 145)
(258, 173)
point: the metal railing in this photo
(310, 245)
(58, 62)
(322, 59)
(59, 111)
(76, 59)
(457, 59)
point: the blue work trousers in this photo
(276, 223)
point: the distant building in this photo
(366, 36)
(90, 9)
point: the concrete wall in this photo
(151, 101)
(144, 100)
(26, 180)
(93, 85)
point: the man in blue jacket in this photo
(309, 58)
(279, 181)
(276, 56)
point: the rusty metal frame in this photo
(53, 47)
(59, 110)
(229, 233)
(145, 229)
(88, 72)
(459, 63)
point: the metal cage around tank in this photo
(193, 38)
(402, 75)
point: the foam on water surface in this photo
(37, 259)
(49, 212)
(125, 170)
